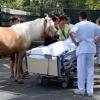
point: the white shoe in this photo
(78, 92)
(90, 94)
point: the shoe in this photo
(90, 94)
(78, 92)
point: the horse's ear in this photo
(45, 21)
(47, 17)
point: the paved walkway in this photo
(30, 90)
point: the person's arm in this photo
(73, 36)
(74, 39)
(97, 34)
(97, 31)
(97, 39)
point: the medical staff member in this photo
(98, 43)
(69, 23)
(64, 28)
(83, 35)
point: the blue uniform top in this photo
(86, 32)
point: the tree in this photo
(39, 7)
(16, 4)
(93, 4)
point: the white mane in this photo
(30, 30)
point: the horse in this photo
(18, 38)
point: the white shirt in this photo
(86, 32)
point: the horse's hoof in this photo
(12, 77)
(21, 76)
(20, 82)
(15, 80)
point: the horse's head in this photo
(33, 30)
(49, 27)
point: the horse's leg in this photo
(12, 69)
(21, 70)
(15, 66)
(19, 65)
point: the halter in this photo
(45, 32)
(45, 24)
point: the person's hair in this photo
(98, 21)
(54, 18)
(68, 18)
(63, 18)
(83, 15)
(14, 18)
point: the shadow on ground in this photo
(30, 90)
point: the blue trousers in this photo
(85, 72)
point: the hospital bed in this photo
(55, 62)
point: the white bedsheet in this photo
(54, 49)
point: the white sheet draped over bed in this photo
(54, 49)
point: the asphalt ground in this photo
(30, 90)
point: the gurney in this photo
(54, 62)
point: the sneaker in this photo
(90, 94)
(78, 92)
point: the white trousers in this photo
(98, 53)
(85, 72)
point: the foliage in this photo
(93, 4)
(39, 7)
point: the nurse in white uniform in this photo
(98, 43)
(83, 35)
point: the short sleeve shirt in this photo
(86, 32)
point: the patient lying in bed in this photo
(54, 49)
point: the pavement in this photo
(30, 90)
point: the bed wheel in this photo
(42, 80)
(75, 83)
(39, 81)
(64, 84)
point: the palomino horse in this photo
(17, 38)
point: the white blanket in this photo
(54, 49)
